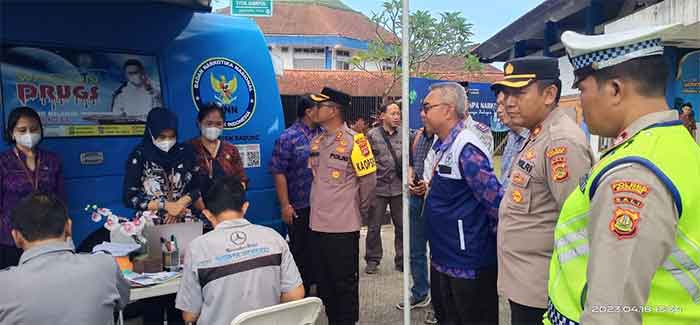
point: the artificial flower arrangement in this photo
(130, 228)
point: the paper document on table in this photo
(148, 279)
(116, 249)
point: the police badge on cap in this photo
(521, 72)
(331, 95)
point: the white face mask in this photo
(28, 140)
(211, 133)
(165, 145)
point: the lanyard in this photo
(209, 159)
(33, 178)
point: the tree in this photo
(449, 34)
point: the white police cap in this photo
(588, 53)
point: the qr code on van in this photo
(250, 154)
(252, 159)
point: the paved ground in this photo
(379, 293)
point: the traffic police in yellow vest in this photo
(627, 243)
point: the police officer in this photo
(343, 184)
(626, 242)
(546, 169)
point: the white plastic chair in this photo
(299, 312)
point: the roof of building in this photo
(337, 4)
(355, 83)
(319, 17)
(361, 83)
(542, 26)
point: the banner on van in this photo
(81, 93)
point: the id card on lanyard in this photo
(32, 177)
(209, 159)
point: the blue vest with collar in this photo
(458, 230)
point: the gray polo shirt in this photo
(235, 268)
(54, 285)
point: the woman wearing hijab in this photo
(160, 172)
(24, 168)
(160, 177)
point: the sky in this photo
(488, 17)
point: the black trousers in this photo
(301, 246)
(337, 275)
(9, 256)
(525, 315)
(464, 301)
(153, 309)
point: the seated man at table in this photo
(52, 284)
(238, 266)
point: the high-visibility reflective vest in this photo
(668, 151)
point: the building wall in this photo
(287, 55)
(566, 72)
(666, 12)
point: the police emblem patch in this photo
(560, 171)
(530, 154)
(518, 179)
(556, 151)
(630, 187)
(228, 85)
(335, 174)
(624, 223)
(517, 196)
(618, 200)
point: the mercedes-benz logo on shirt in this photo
(239, 238)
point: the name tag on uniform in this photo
(526, 166)
(339, 157)
(442, 169)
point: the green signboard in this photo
(258, 8)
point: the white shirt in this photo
(136, 101)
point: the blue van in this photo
(67, 60)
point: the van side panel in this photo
(180, 40)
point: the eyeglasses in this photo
(426, 107)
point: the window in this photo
(285, 49)
(342, 65)
(312, 50)
(310, 58)
(309, 63)
(343, 53)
